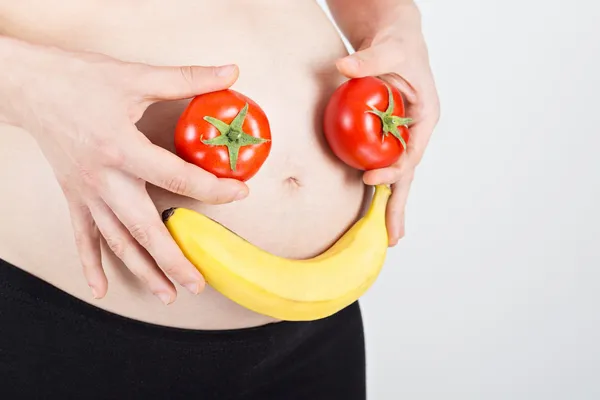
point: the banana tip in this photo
(166, 214)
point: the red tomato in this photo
(364, 123)
(225, 133)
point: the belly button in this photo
(293, 182)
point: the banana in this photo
(282, 288)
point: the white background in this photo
(495, 291)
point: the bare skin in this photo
(280, 66)
(104, 95)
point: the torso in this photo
(300, 201)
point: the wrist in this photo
(16, 57)
(407, 24)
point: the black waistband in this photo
(54, 345)
(21, 286)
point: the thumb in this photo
(372, 61)
(181, 82)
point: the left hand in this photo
(400, 57)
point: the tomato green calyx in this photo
(232, 136)
(389, 121)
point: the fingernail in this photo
(240, 195)
(164, 297)
(225, 70)
(94, 292)
(193, 287)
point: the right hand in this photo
(82, 110)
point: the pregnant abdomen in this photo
(300, 201)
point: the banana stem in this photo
(166, 214)
(380, 198)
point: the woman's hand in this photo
(397, 53)
(82, 109)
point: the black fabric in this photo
(53, 346)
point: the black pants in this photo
(54, 346)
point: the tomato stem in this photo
(389, 121)
(232, 136)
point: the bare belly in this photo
(301, 200)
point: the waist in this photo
(295, 219)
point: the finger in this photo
(137, 260)
(382, 60)
(180, 82)
(372, 61)
(395, 211)
(164, 169)
(145, 225)
(420, 134)
(87, 239)
(407, 90)
(388, 175)
(407, 163)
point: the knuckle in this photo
(88, 178)
(116, 245)
(212, 71)
(80, 238)
(360, 62)
(416, 160)
(188, 75)
(419, 110)
(141, 233)
(77, 209)
(110, 154)
(137, 82)
(67, 191)
(213, 192)
(407, 174)
(171, 267)
(429, 110)
(177, 184)
(396, 172)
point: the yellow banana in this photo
(286, 289)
